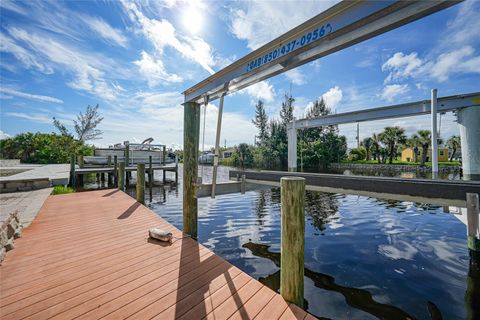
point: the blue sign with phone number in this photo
(291, 46)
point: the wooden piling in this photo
(109, 161)
(127, 155)
(473, 231)
(176, 169)
(81, 162)
(243, 184)
(141, 183)
(191, 133)
(115, 172)
(72, 171)
(164, 155)
(150, 172)
(121, 176)
(293, 239)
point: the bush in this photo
(357, 154)
(62, 190)
(42, 148)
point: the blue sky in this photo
(135, 58)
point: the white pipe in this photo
(292, 148)
(434, 135)
(217, 145)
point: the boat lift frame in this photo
(341, 26)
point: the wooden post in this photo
(109, 161)
(176, 169)
(81, 162)
(150, 172)
(141, 183)
(164, 155)
(191, 133)
(473, 231)
(293, 239)
(115, 173)
(121, 176)
(72, 171)
(127, 154)
(243, 184)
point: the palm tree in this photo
(392, 137)
(425, 138)
(376, 147)
(367, 143)
(414, 143)
(453, 143)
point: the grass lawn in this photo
(446, 163)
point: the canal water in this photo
(365, 258)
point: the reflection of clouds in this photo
(399, 250)
(446, 252)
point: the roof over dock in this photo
(88, 255)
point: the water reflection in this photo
(357, 298)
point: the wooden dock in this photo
(88, 255)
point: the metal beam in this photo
(341, 26)
(444, 104)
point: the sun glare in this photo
(192, 19)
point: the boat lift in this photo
(341, 26)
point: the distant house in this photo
(227, 153)
(408, 154)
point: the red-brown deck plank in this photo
(87, 255)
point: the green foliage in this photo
(357, 154)
(243, 157)
(42, 148)
(85, 125)
(392, 137)
(261, 122)
(453, 143)
(62, 190)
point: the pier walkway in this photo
(88, 255)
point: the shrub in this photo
(357, 154)
(62, 190)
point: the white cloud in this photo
(333, 97)
(391, 91)
(461, 60)
(88, 69)
(4, 135)
(161, 33)
(458, 61)
(30, 96)
(160, 99)
(259, 22)
(28, 60)
(402, 66)
(261, 90)
(38, 118)
(106, 31)
(463, 29)
(295, 76)
(154, 70)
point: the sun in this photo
(192, 18)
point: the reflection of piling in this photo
(473, 227)
(472, 294)
(293, 239)
(141, 183)
(176, 169)
(121, 176)
(72, 171)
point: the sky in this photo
(134, 59)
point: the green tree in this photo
(392, 137)
(261, 122)
(453, 143)
(357, 154)
(414, 143)
(85, 125)
(42, 148)
(367, 143)
(425, 139)
(243, 156)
